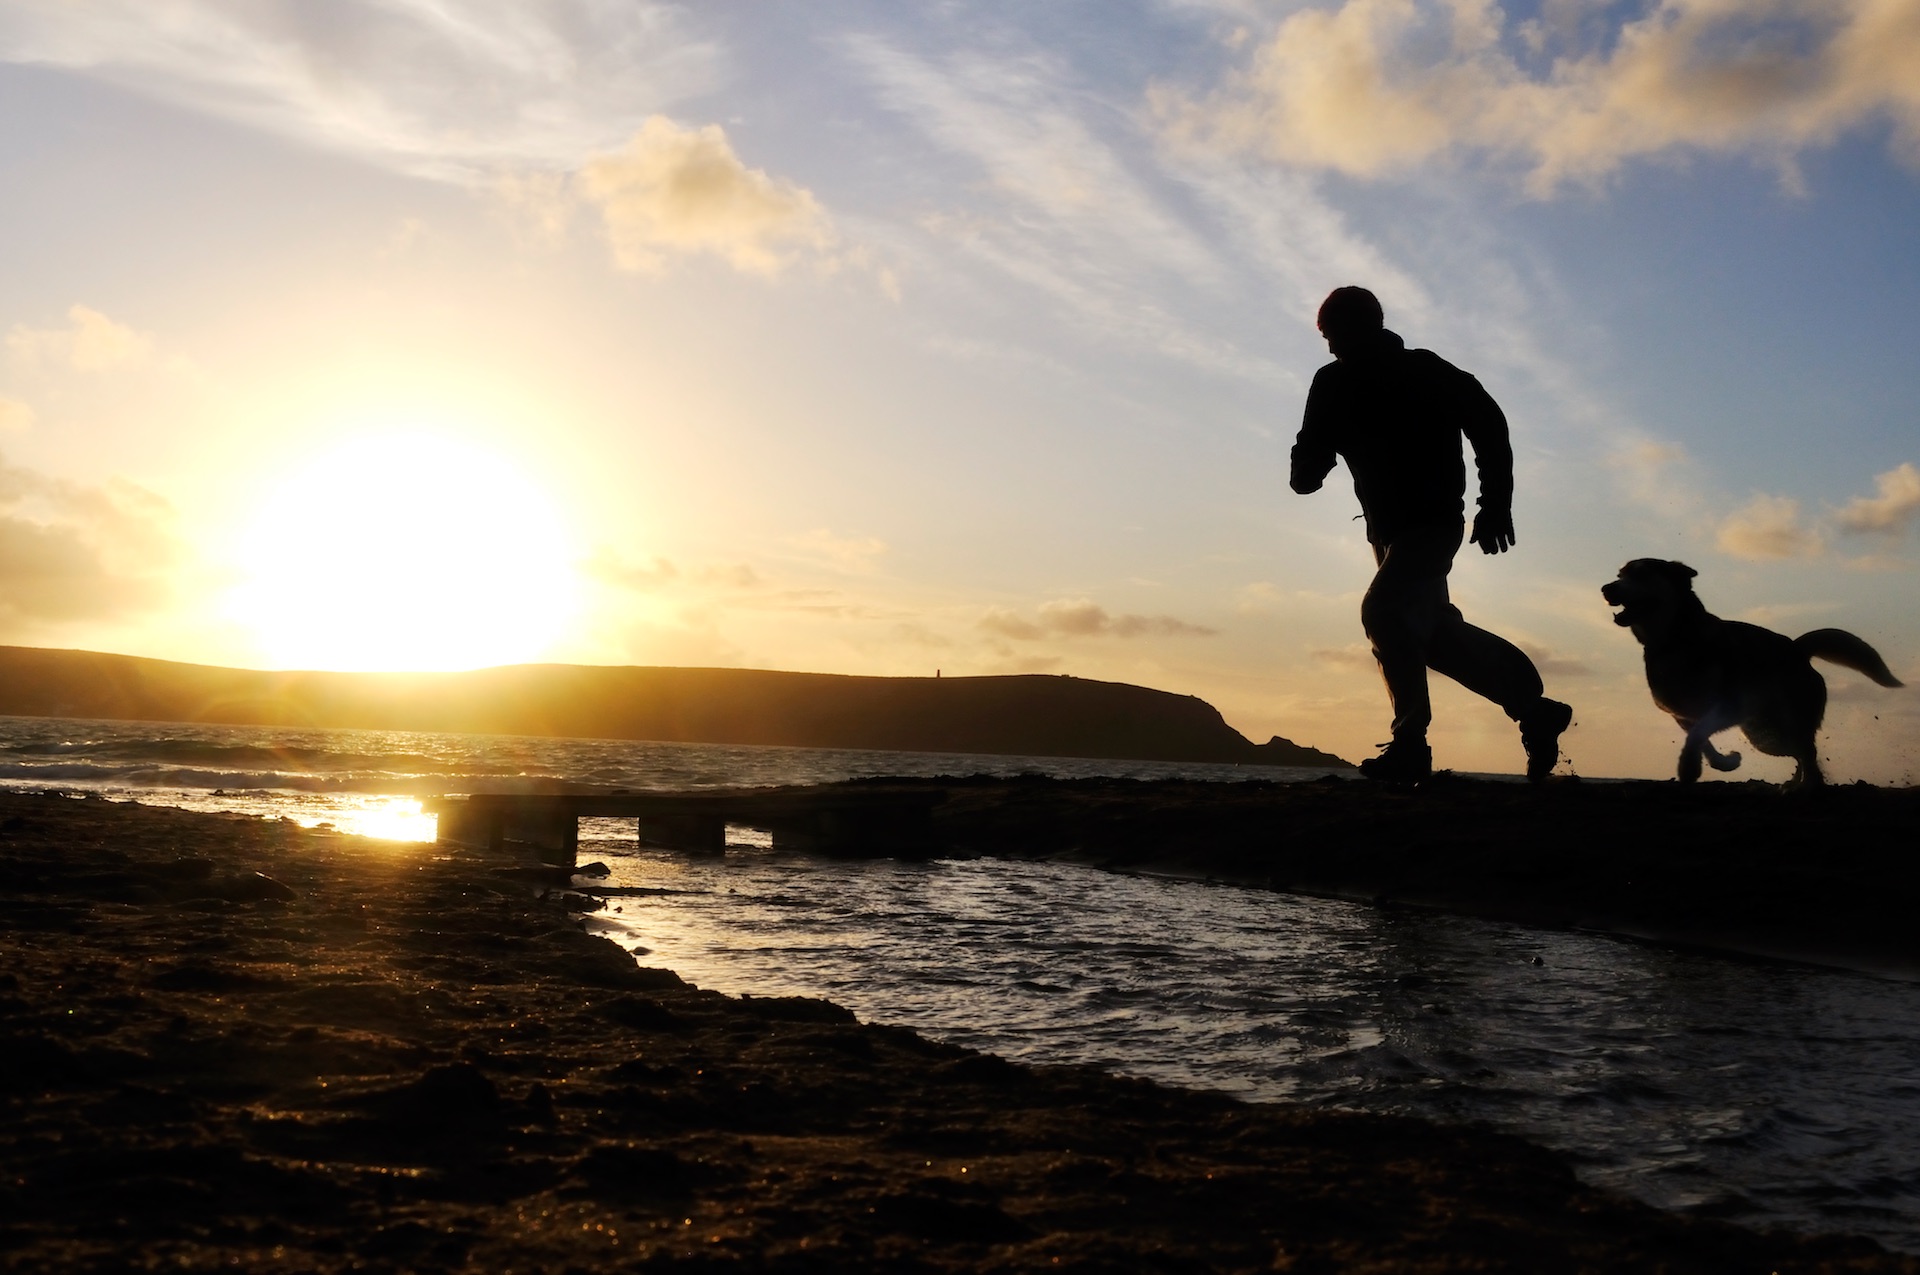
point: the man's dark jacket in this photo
(1396, 417)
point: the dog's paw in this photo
(1724, 761)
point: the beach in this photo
(236, 1043)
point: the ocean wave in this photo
(168, 750)
(151, 776)
(376, 783)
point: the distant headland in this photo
(1030, 715)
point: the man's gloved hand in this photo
(1493, 530)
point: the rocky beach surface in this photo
(234, 1043)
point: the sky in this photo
(859, 337)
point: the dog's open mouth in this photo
(1611, 591)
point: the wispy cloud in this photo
(660, 575)
(1354, 656)
(1552, 663)
(453, 89)
(1069, 201)
(1370, 87)
(853, 554)
(1082, 617)
(1025, 122)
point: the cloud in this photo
(1258, 598)
(1371, 87)
(1647, 456)
(1010, 664)
(609, 568)
(858, 554)
(452, 90)
(15, 415)
(1066, 199)
(1888, 513)
(684, 190)
(1082, 617)
(1768, 527)
(661, 575)
(1011, 624)
(1354, 655)
(93, 343)
(914, 634)
(1553, 664)
(70, 552)
(1020, 118)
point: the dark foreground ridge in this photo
(381, 1057)
(1038, 716)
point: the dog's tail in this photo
(1843, 648)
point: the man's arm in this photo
(1485, 426)
(1313, 453)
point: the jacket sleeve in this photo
(1313, 453)
(1485, 426)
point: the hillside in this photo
(1024, 715)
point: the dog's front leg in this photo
(1717, 759)
(1689, 768)
(1699, 743)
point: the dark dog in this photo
(1713, 674)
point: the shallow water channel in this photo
(1772, 1094)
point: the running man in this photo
(1396, 416)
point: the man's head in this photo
(1350, 318)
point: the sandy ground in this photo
(397, 1057)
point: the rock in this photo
(252, 888)
(626, 1169)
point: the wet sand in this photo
(399, 1057)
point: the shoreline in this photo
(394, 1056)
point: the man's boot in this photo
(1407, 760)
(1540, 729)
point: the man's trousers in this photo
(1414, 626)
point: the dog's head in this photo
(1650, 592)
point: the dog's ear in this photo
(1681, 571)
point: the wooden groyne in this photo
(823, 821)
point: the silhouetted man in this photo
(1396, 416)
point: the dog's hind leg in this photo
(1806, 772)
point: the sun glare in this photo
(405, 552)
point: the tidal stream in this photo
(1768, 1093)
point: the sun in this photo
(405, 551)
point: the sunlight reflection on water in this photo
(1770, 1093)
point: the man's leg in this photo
(1400, 611)
(1485, 663)
(1494, 668)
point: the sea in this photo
(1770, 1093)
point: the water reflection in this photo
(1771, 1093)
